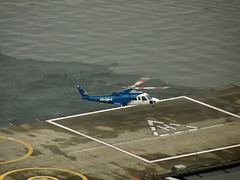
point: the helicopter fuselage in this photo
(123, 97)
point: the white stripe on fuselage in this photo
(106, 99)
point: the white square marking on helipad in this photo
(139, 157)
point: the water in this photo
(49, 47)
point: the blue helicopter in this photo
(124, 97)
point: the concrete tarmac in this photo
(200, 131)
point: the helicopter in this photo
(124, 97)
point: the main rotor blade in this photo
(140, 81)
(151, 87)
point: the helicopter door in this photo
(135, 100)
(144, 98)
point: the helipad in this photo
(128, 142)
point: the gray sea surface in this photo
(49, 47)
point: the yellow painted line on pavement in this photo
(43, 178)
(30, 150)
(42, 168)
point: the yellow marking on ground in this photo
(42, 168)
(30, 150)
(43, 178)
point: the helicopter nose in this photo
(154, 100)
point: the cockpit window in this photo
(144, 98)
(149, 97)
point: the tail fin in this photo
(84, 94)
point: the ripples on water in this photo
(189, 45)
